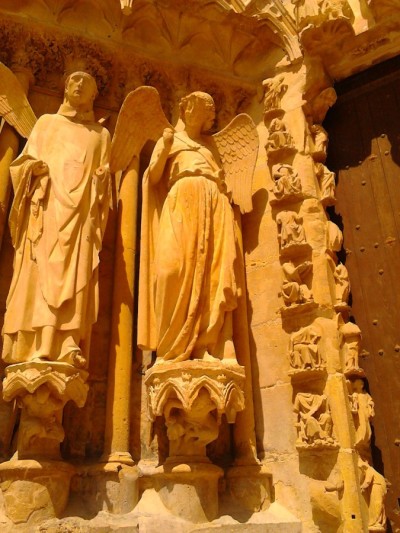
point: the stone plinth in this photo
(34, 491)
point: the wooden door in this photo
(364, 151)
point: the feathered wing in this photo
(141, 118)
(14, 105)
(237, 145)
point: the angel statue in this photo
(188, 283)
(57, 220)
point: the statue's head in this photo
(80, 90)
(198, 108)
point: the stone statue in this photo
(294, 288)
(351, 340)
(274, 89)
(314, 423)
(279, 137)
(320, 138)
(304, 353)
(287, 184)
(57, 220)
(342, 285)
(306, 12)
(290, 227)
(374, 488)
(188, 273)
(333, 9)
(327, 184)
(362, 407)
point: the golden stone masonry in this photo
(199, 257)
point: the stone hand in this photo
(168, 138)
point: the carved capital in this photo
(192, 396)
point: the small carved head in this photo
(198, 108)
(80, 90)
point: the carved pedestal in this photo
(35, 482)
(192, 396)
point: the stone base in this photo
(249, 487)
(189, 490)
(34, 491)
(109, 487)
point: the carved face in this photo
(80, 90)
(200, 113)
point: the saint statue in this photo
(62, 190)
(189, 246)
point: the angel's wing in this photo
(14, 105)
(237, 145)
(140, 119)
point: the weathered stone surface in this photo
(225, 374)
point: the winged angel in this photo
(189, 280)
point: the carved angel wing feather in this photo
(14, 105)
(237, 145)
(140, 119)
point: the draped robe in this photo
(187, 287)
(57, 222)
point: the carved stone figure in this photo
(327, 184)
(291, 231)
(342, 285)
(374, 488)
(314, 422)
(188, 277)
(279, 138)
(334, 238)
(306, 12)
(287, 184)
(274, 89)
(333, 9)
(351, 339)
(304, 352)
(362, 408)
(294, 288)
(62, 194)
(320, 139)
(317, 108)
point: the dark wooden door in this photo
(364, 151)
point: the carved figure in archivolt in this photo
(362, 408)
(314, 421)
(188, 284)
(290, 228)
(320, 139)
(279, 138)
(294, 287)
(287, 184)
(342, 285)
(333, 9)
(350, 347)
(57, 220)
(305, 11)
(374, 489)
(304, 351)
(274, 89)
(327, 184)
